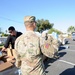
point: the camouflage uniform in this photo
(49, 46)
(29, 54)
(29, 48)
(54, 42)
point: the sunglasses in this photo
(10, 31)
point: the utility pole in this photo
(0, 30)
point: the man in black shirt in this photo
(11, 38)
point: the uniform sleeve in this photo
(17, 55)
(41, 41)
(7, 42)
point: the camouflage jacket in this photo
(29, 55)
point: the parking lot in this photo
(65, 65)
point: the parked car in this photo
(73, 36)
(63, 39)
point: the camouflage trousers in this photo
(28, 70)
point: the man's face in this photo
(12, 32)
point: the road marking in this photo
(67, 62)
(71, 50)
(72, 44)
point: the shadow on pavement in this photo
(62, 48)
(70, 71)
(51, 60)
(61, 54)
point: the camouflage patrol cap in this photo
(29, 19)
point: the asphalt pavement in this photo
(65, 65)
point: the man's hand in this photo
(3, 49)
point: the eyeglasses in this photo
(10, 31)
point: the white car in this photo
(63, 40)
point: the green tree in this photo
(71, 29)
(4, 34)
(43, 25)
(54, 30)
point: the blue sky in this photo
(59, 12)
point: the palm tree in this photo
(71, 29)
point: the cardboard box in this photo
(8, 62)
(5, 66)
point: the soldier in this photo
(55, 45)
(49, 46)
(28, 50)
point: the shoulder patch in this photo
(46, 45)
(48, 49)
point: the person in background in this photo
(11, 38)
